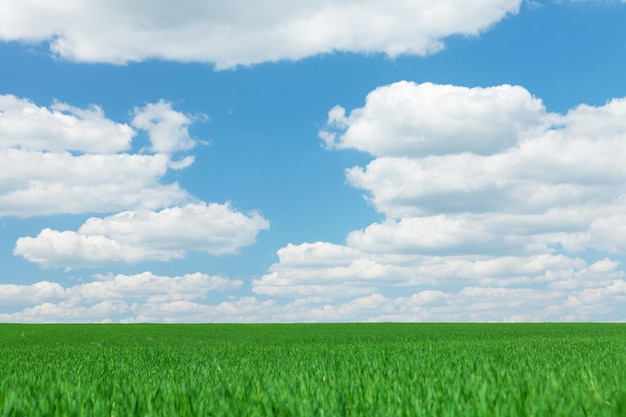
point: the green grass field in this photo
(313, 370)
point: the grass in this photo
(313, 370)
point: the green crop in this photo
(313, 370)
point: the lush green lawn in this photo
(314, 369)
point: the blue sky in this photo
(349, 161)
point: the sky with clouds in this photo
(291, 161)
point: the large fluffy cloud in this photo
(408, 119)
(573, 162)
(486, 196)
(242, 32)
(535, 162)
(135, 236)
(62, 159)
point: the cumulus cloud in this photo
(168, 128)
(63, 159)
(470, 304)
(150, 287)
(40, 183)
(539, 161)
(149, 298)
(27, 294)
(365, 272)
(135, 236)
(488, 199)
(245, 32)
(571, 163)
(240, 310)
(408, 119)
(111, 297)
(26, 126)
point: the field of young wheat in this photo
(313, 370)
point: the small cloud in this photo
(168, 129)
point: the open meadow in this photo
(313, 370)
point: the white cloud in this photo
(113, 298)
(150, 287)
(168, 128)
(26, 126)
(559, 160)
(149, 298)
(513, 182)
(244, 32)
(365, 272)
(482, 304)
(135, 236)
(27, 294)
(483, 191)
(408, 119)
(241, 310)
(40, 183)
(422, 235)
(63, 159)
